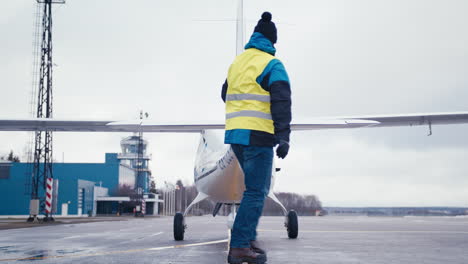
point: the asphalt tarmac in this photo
(321, 240)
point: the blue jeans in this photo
(256, 162)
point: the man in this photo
(258, 115)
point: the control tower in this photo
(134, 155)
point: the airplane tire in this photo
(293, 224)
(179, 228)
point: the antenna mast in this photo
(240, 27)
(41, 201)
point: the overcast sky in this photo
(344, 58)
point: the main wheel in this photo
(292, 225)
(179, 227)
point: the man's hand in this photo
(283, 149)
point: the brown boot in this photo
(241, 255)
(255, 246)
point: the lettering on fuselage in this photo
(222, 164)
(226, 160)
(197, 178)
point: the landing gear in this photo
(179, 227)
(217, 208)
(292, 224)
(179, 221)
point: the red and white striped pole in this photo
(48, 202)
(143, 207)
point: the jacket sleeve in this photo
(224, 90)
(280, 94)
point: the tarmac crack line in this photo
(119, 252)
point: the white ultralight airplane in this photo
(217, 173)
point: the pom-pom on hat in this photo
(267, 27)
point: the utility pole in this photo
(41, 202)
(165, 202)
(180, 200)
(173, 202)
(185, 198)
(140, 166)
(171, 198)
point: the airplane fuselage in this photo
(217, 171)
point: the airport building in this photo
(107, 188)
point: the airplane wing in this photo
(57, 125)
(391, 120)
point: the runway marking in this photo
(72, 237)
(369, 231)
(119, 251)
(138, 238)
(229, 240)
(87, 235)
(156, 234)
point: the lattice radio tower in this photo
(42, 164)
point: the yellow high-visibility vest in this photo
(247, 103)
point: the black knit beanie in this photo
(267, 27)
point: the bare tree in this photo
(11, 157)
(153, 187)
(302, 204)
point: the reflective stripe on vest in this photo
(248, 113)
(257, 97)
(247, 103)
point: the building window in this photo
(5, 170)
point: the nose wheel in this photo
(292, 224)
(179, 226)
